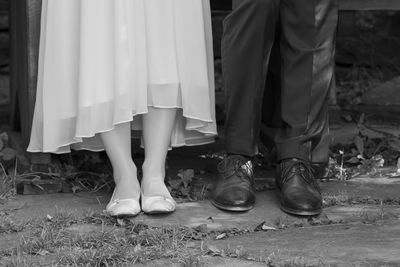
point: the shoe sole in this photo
(123, 215)
(158, 212)
(232, 208)
(302, 212)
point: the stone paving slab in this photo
(24, 207)
(207, 261)
(364, 187)
(331, 245)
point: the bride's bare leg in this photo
(157, 128)
(117, 143)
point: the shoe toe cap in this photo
(301, 202)
(235, 197)
(125, 207)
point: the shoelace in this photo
(305, 170)
(242, 168)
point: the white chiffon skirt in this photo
(104, 62)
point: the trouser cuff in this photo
(294, 149)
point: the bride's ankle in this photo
(126, 176)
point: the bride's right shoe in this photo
(123, 207)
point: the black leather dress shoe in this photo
(234, 189)
(299, 191)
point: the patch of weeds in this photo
(98, 218)
(343, 199)
(365, 156)
(7, 154)
(124, 243)
(301, 262)
(7, 184)
(87, 171)
(238, 252)
(368, 217)
(320, 220)
(7, 225)
(340, 199)
(187, 186)
(114, 256)
(74, 172)
(270, 259)
(190, 260)
(42, 240)
(18, 259)
(282, 222)
(103, 248)
(390, 201)
(217, 235)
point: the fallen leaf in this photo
(186, 176)
(76, 189)
(185, 191)
(175, 184)
(213, 250)
(353, 160)
(268, 228)
(264, 227)
(220, 236)
(9, 153)
(43, 252)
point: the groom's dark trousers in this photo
(306, 48)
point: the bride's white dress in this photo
(103, 62)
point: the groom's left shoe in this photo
(234, 189)
(299, 191)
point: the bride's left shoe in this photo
(157, 204)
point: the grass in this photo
(96, 239)
(107, 243)
(7, 184)
(344, 199)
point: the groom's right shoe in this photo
(234, 190)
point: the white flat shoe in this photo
(123, 207)
(157, 204)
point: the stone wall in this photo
(4, 63)
(4, 33)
